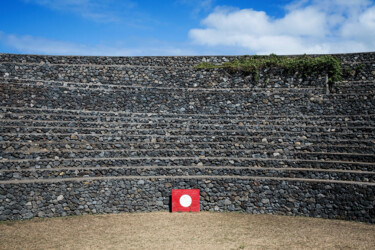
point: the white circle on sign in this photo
(185, 200)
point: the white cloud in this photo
(318, 26)
(302, 22)
(37, 45)
(362, 27)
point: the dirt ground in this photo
(162, 230)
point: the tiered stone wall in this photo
(109, 134)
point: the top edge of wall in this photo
(152, 61)
(192, 56)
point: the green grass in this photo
(305, 66)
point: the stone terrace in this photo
(110, 134)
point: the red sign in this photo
(185, 200)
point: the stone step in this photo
(195, 103)
(171, 86)
(10, 130)
(34, 120)
(354, 85)
(119, 114)
(185, 127)
(183, 161)
(347, 83)
(142, 179)
(73, 146)
(349, 88)
(103, 73)
(357, 140)
(204, 119)
(150, 61)
(340, 121)
(174, 153)
(280, 93)
(182, 77)
(91, 150)
(359, 176)
(351, 59)
(252, 97)
(285, 90)
(287, 111)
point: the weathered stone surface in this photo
(117, 134)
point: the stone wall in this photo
(110, 134)
(161, 61)
(315, 199)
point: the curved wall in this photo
(109, 134)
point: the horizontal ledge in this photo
(189, 150)
(188, 158)
(88, 179)
(281, 169)
(198, 132)
(277, 143)
(208, 91)
(147, 115)
(148, 86)
(244, 126)
(101, 65)
(351, 83)
(249, 138)
(230, 122)
(191, 66)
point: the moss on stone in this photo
(303, 65)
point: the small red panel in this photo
(185, 200)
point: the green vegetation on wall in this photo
(303, 65)
(353, 71)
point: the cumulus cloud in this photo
(318, 26)
(38, 45)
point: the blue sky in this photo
(186, 27)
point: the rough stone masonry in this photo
(82, 135)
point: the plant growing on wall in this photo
(303, 65)
(353, 71)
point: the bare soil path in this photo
(163, 230)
